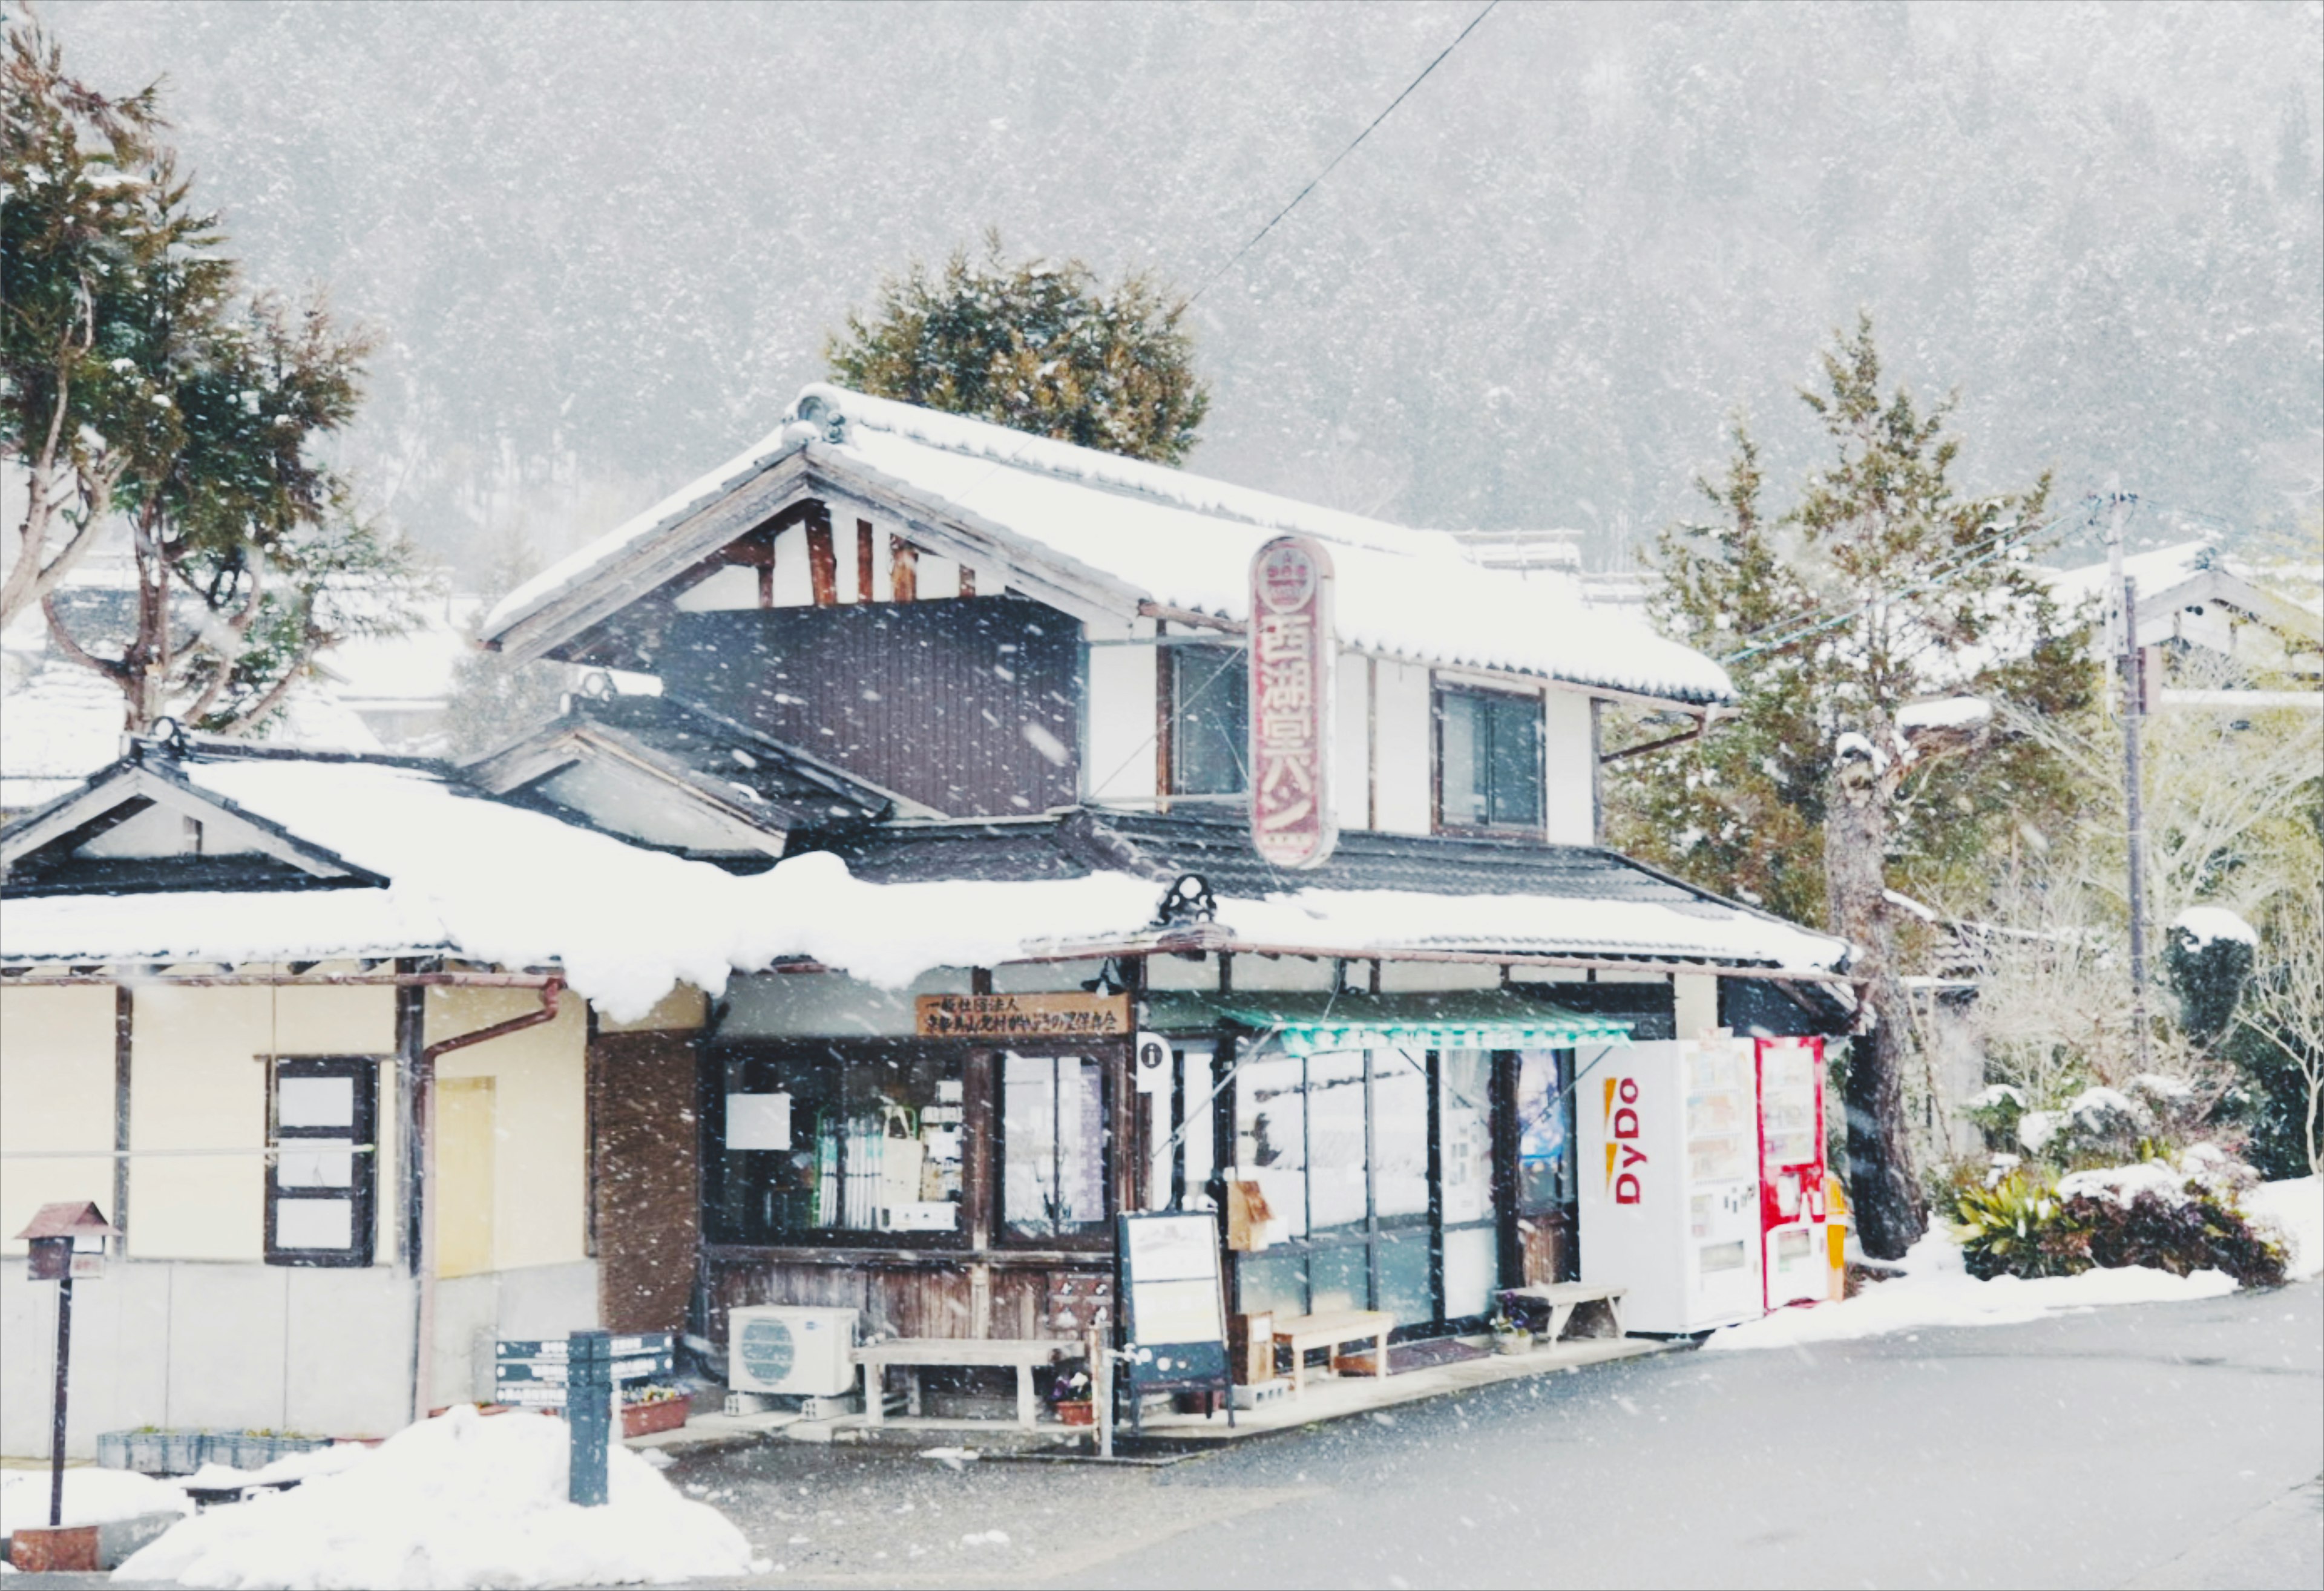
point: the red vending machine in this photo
(1792, 1212)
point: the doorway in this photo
(464, 1182)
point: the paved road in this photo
(2158, 1445)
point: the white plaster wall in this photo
(472, 1312)
(1407, 747)
(323, 1352)
(1351, 748)
(1118, 751)
(56, 1092)
(1696, 1001)
(1430, 977)
(1254, 972)
(1565, 741)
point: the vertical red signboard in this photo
(1292, 663)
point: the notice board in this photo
(1174, 1320)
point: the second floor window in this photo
(1489, 760)
(1208, 707)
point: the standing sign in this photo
(534, 1372)
(1292, 665)
(1175, 1320)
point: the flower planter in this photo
(39, 1549)
(182, 1450)
(644, 1419)
(1082, 1413)
(1513, 1342)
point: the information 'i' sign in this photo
(1291, 676)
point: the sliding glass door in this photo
(1378, 1166)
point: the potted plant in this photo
(1510, 1337)
(1070, 1396)
(648, 1409)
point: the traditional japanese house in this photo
(1025, 663)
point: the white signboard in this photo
(758, 1121)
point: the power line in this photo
(1342, 155)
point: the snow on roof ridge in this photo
(1090, 466)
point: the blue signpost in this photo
(589, 1411)
(578, 1375)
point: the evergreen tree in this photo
(1881, 586)
(135, 365)
(1035, 346)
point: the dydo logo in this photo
(1622, 1151)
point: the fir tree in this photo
(1034, 345)
(1879, 587)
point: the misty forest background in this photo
(603, 245)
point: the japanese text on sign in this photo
(1291, 673)
(1025, 1016)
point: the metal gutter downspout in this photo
(423, 1387)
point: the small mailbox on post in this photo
(68, 1244)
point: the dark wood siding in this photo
(645, 1185)
(931, 700)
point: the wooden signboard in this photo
(1293, 662)
(530, 1372)
(1175, 1326)
(1024, 1015)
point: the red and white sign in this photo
(1292, 665)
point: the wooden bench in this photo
(1558, 1300)
(916, 1353)
(1301, 1333)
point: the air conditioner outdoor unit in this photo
(803, 1350)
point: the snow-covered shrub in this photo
(1995, 1113)
(2101, 1122)
(2180, 1218)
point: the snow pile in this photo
(290, 1466)
(92, 1496)
(1952, 712)
(457, 1501)
(1935, 1291)
(2120, 1185)
(2293, 1212)
(2201, 924)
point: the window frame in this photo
(1233, 660)
(362, 1191)
(1099, 1235)
(841, 1056)
(1538, 827)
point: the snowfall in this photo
(1935, 1291)
(461, 1500)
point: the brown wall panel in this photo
(645, 1181)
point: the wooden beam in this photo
(863, 560)
(967, 578)
(904, 569)
(822, 559)
(1662, 745)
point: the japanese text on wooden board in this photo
(1291, 674)
(1023, 1016)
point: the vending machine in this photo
(1791, 1153)
(1672, 1207)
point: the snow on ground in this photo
(2296, 1209)
(1935, 1291)
(92, 1496)
(457, 1501)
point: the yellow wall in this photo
(198, 1081)
(56, 1092)
(540, 1163)
(683, 1008)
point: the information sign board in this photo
(530, 1373)
(1293, 664)
(1174, 1315)
(1023, 1016)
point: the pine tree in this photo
(1880, 587)
(1034, 345)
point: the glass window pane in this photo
(1271, 1139)
(315, 1102)
(316, 1163)
(1273, 1282)
(1399, 1133)
(1053, 1134)
(1403, 1286)
(1472, 1272)
(1195, 1079)
(1465, 1104)
(1516, 775)
(816, 1144)
(1543, 1144)
(1339, 1277)
(1210, 700)
(1463, 771)
(314, 1223)
(1335, 1141)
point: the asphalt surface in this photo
(2154, 1445)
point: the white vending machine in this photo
(1670, 1195)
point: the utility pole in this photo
(2131, 660)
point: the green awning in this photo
(1304, 1024)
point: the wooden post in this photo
(967, 580)
(822, 560)
(2133, 711)
(863, 560)
(57, 1428)
(904, 569)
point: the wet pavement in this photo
(2169, 1444)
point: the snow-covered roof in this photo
(1124, 531)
